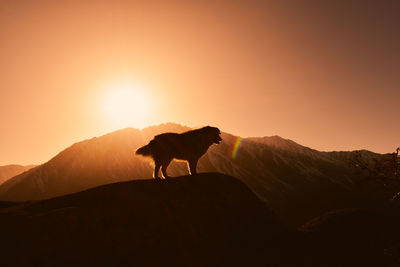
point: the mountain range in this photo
(9, 171)
(298, 183)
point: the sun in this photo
(127, 105)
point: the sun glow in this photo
(127, 105)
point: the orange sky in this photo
(325, 74)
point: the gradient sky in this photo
(325, 74)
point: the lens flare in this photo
(236, 147)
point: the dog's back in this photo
(172, 145)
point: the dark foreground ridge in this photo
(201, 220)
(207, 219)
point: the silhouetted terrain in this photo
(354, 237)
(297, 182)
(9, 171)
(203, 220)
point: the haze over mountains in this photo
(297, 182)
(9, 171)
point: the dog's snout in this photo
(218, 139)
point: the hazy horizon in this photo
(323, 74)
(157, 125)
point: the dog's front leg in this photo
(193, 166)
(164, 167)
(156, 170)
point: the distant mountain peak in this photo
(11, 170)
(278, 142)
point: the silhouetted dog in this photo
(189, 146)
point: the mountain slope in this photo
(203, 220)
(357, 237)
(297, 182)
(100, 160)
(9, 171)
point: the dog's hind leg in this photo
(192, 166)
(156, 170)
(164, 167)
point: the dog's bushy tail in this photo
(144, 150)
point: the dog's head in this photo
(213, 134)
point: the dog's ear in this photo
(216, 130)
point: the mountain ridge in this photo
(11, 170)
(286, 175)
